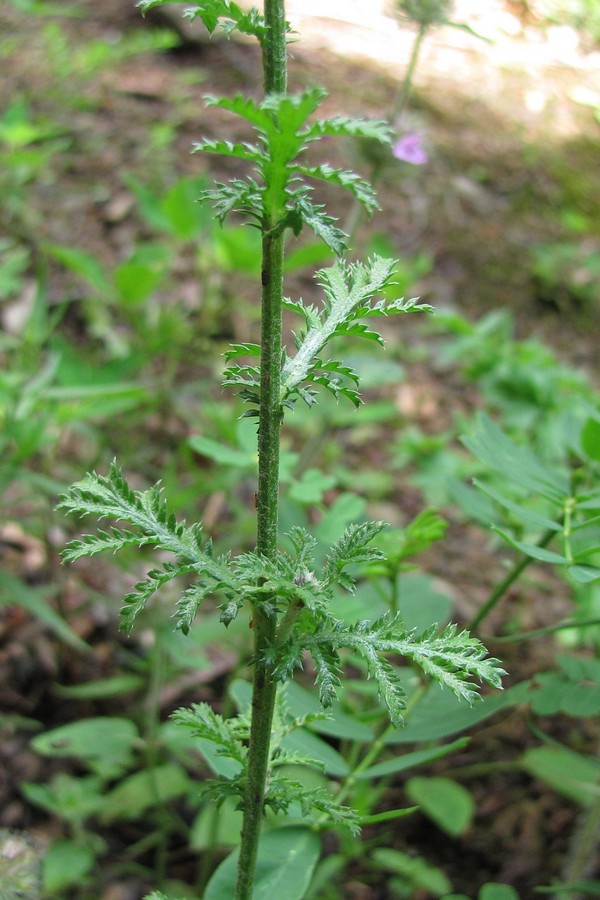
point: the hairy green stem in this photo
(398, 108)
(503, 586)
(405, 87)
(264, 685)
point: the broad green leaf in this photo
(238, 249)
(308, 255)
(36, 600)
(516, 463)
(410, 760)
(221, 827)
(221, 765)
(104, 687)
(590, 438)
(492, 891)
(311, 486)
(337, 724)
(65, 865)
(569, 692)
(584, 574)
(344, 509)
(472, 502)
(286, 860)
(71, 798)
(223, 454)
(421, 603)
(134, 795)
(450, 805)
(571, 774)
(414, 871)
(439, 714)
(590, 501)
(85, 265)
(533, 551)
(308, 744)
(106, 744)
(135, 282)
(186, 216)
(528, 516)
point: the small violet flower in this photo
(410, 149)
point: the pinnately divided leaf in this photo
(345, 126)
(360, 189)
(278, 200)
(224, 13)
(226, 148)
(353, 547)
(347, 287)
(146, 511)
(450, 658)
(205, 723)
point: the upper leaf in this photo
(224, 13)
(349, 290)
(344, 126)
(360, 189)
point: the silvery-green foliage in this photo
(285, 587)
(352, 293)
(230, 737)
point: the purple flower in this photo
(410, 149)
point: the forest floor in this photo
(509, 128)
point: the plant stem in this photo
(503, 586)
(264, 685)
(405, 87)
(398, 108)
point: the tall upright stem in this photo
(264, 625)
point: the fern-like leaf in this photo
(344, 126)
(329, 670)
(353, 547)
(347, 287)
(189, 603)
(136, 599)
(226, 148)
(111, 497)
(450, 657)
(283, 792)
(103, 541)
(304, 212)
(242, 196)
(360, 189)
(208, 725)
(230, 17)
